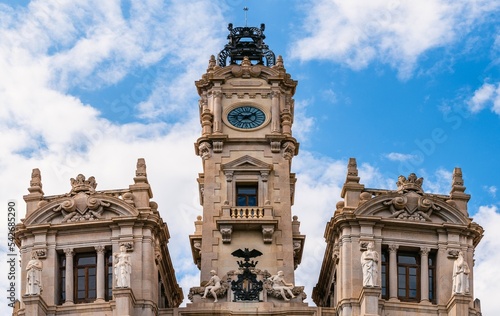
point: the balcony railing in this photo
(247, 212)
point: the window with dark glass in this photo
(62, 279)
(246, 195)
(408, 276)
(109, 276)
(384, 273)
(85, 277)
(432, 277)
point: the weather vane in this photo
(246, 18)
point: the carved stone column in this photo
(424, 274)
(100, 273)
(229, 184)
(263, 176)
(275, 112)
(393, 272)
(217, 112)
(69, 275)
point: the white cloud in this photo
(492, 190)
(399, 156)
(356, 33)
(488, 95)
(487, 256)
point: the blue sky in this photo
(404, 86)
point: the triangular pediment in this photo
(246, 163)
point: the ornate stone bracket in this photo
(267, 233)
(226, 231)
(218, 146)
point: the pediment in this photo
(412, 206)
(246, 163)
(80, 207)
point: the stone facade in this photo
(99, 252)
(401, 252)
(419, 238)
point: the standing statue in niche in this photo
(460, 275)
(280, 285)
(123, 267)
(212, 285)
(34, 276)
(369, 263)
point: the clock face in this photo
(246, 117)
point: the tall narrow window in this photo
(408, 277)
(246, 195)
(85, 277)
(109, 276)
(62, 278)
(432, 277)
(385, 274)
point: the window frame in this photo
(407, 267)
(247, 185)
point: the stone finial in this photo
(352, 188)
(411, 184)
(80, 184)
(295, 225)
(212, 64)
(457, 184)
(36, 178)
(36, 182)
(352, 171)
(279, 63)
(141, 168)
(458, 197)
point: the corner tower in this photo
(246, 189)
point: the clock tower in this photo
(246, 188)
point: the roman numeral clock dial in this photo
(246, 117)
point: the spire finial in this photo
(246, 17)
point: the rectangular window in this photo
(385, 274)
(246, 195)
(408, 277)
(432, 277)
(85, 277)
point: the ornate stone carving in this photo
(205, 150)
(217, 146)
(289, 150)
(41, 253)
(80, 184)
(226, 231)
(279, 284)
(81, 207)
(267, 233)
(34, 275)
(141, 168)
(225, 281)
(369, 263)
(122, 267)
(245, 69)
(36, 178)
(461, 273)
(275, 146)
(411, 204)
(352, 171)
(412, 183)
(213, 285)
